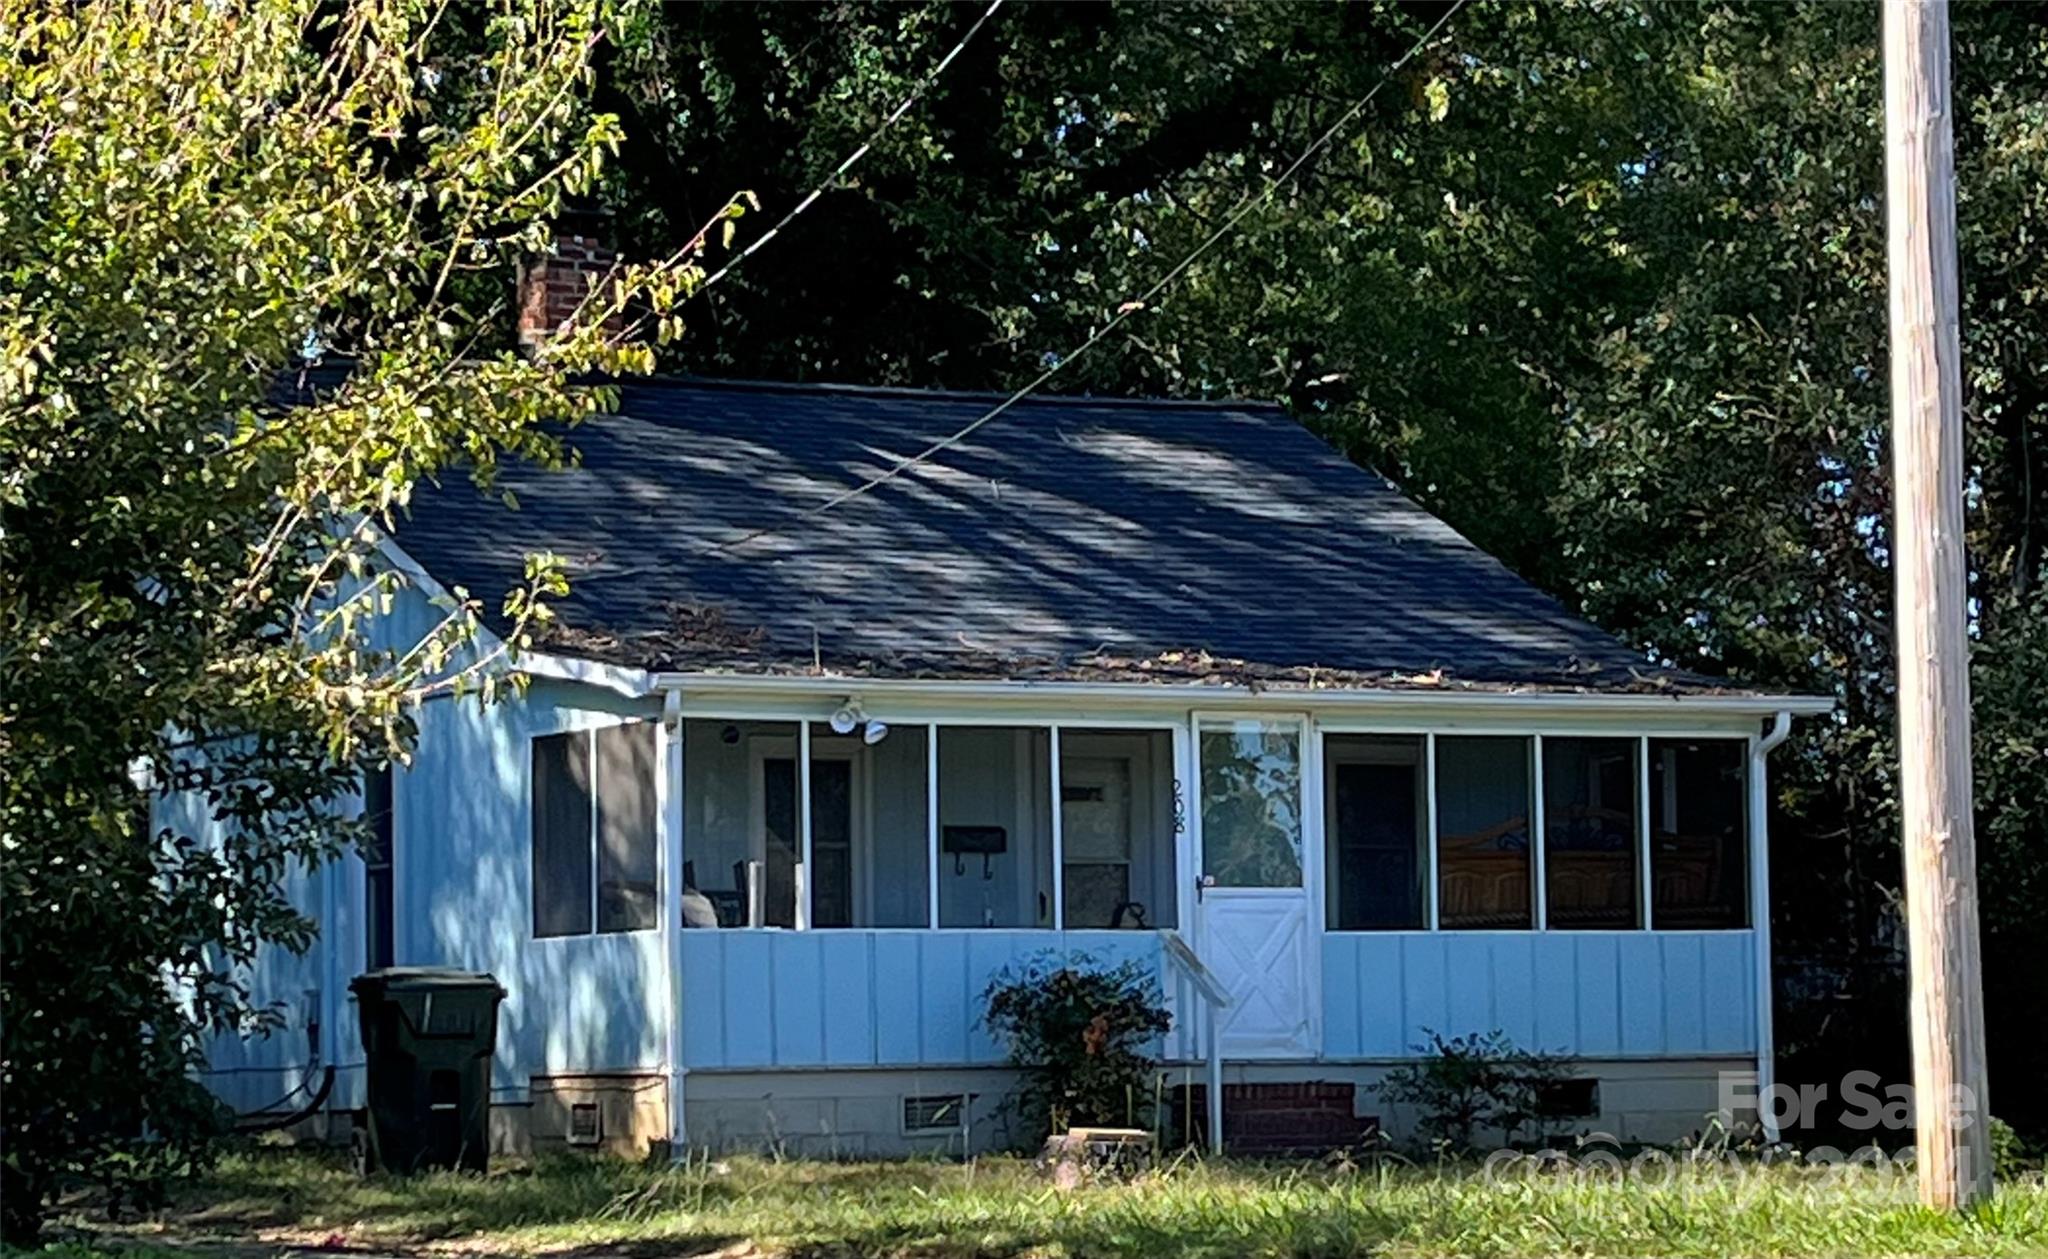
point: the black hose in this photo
(263, 1122)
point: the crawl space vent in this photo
(942, 1113)
(585, 1128)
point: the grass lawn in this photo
(1000, 1208)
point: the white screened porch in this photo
(1352, 872)
(1582, 874)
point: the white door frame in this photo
(1311, 893)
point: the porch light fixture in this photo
(848, 717)
(874, 732)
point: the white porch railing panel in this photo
(862, 998)
(1629, 994)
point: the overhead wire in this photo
(1251, 200)
(852, 159)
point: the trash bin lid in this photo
(392, 979)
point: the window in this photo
(1116, 829)
(378, 890)
(832, 856)
(561, 835)
(628, 897)
(1378, 832)
(995, 827)
(1699, 854)
(780, 850)
(1251, 805)
(594, 847)
(1484, 801)
(1591, 844)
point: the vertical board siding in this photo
(851, 998)
(1634, 994)
(895, 980)
(849, 1001)
(1597, 972)
(943, 1013)
(797, 976)
(1728, 989)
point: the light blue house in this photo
(827, 739)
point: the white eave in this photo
(705, 692)
(1217, 695)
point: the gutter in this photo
(1225, 695)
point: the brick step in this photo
(1281, 1120)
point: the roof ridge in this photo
(675, 380)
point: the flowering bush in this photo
(1082, 1034)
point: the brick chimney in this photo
(553, 285)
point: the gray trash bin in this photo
(428, 1034)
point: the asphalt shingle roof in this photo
(1067, 538)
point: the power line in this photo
(825, 185)
(1246, 204)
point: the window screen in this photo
(1590, 841)
(1378, 833)
(1483, 800)
(377, 885)
(1699, 854)
(1116, 811)
(995, 827)
(561, 834)
(627, 899)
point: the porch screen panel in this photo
(1484, 802)
(561, 834)
(891, 867)
(1378, 832)
(1591, 844)
(1699, 850)
(1117, 829)
(869, 841)
(627, 899)
(739, 820)
(995, 827)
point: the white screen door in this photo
(1254, 928)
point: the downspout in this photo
(672, 910)
(323, 1050)
(1760, 915)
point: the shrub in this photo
(2010, 1157)
(1467, 1084)
(1080, 1032)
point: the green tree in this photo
(192, 196)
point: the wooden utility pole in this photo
(1951, 1112)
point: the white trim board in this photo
(713, 694)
